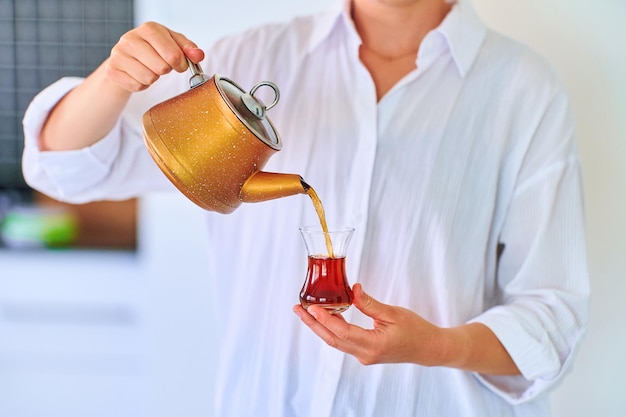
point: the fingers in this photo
(368, 346)
(147, 52)
(331, 328)
(318, 328)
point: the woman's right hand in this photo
(140, 57)
(145, 53)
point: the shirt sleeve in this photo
(116, 167)
(542, 273)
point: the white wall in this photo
(206, 20)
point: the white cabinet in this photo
(111, 334)
(71, 334)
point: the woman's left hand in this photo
(398, 334)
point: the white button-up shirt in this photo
(471, 152)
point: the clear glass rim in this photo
(331, 229)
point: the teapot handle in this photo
(198, 77)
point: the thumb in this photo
(190, 49)
(367, 304)
(194, 53)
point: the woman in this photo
(447, 146)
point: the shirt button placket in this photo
(356, 206)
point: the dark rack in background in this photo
(40, 42)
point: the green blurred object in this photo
(32, 227)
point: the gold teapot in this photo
(213, 140)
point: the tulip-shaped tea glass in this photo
(326, 282)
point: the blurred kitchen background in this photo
(104, 309)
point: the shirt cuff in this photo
(78, 169)
(537, 360)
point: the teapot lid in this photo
(249, 109)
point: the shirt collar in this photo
(336, 16)
(464, 33)
(462, 29)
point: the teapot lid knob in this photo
(255, 105)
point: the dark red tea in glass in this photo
(326, 282)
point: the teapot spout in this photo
(263, 186)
